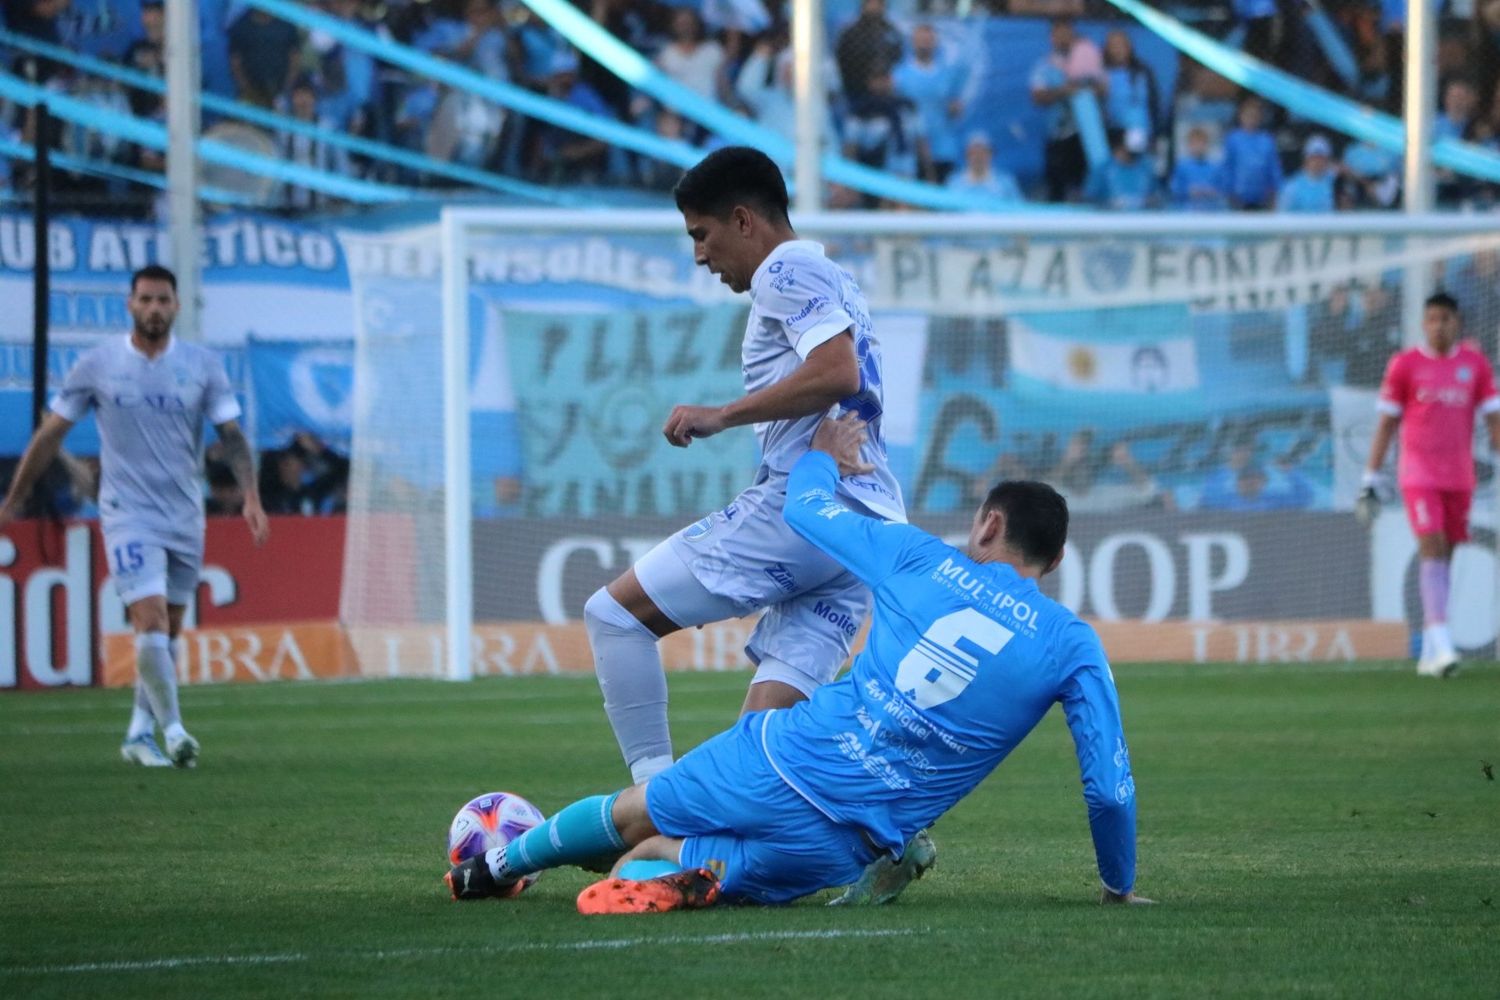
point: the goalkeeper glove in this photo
(1367, 506)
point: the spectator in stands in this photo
(1071, 64)
(563, 156)
(36, 19)
(1455, 120)
(1244, 485)
(1198, 176)
(1371, 178)
(1475, 283)
(348, 74)
(1351, 334)
(883, 129)
(306, 477)
(1127, 180)
(691, 58)
(1257, 18)
(658, 175)
(1131, 96)
(305, 150)
(1252, 166)
(626, 21)
(225, 498)
(262, 56)
(765, 85)
(146, 55)
(979, 175)
(870, 45)
(1311, 189)
(1096, 481)
(935, 84)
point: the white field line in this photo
(606, 944)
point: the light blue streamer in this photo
(636, 70)
(505, 94)
(116, 171)
(154, 136)
(285, 123)
(1090, 122)
(1314, 103)
(1332, 43)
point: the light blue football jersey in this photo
(963, 660)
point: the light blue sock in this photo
(580, 832)
(639, 871)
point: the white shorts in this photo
(140, 567)
(746, 557)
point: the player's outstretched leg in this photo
(628, 665)
(580, 832)
(885, 878)
(692, 889)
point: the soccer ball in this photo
(488, 821)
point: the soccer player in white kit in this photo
(809, 350)
(150, 393)
(1432, 393)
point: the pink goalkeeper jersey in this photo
(1436, 399)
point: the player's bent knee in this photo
(631, 818)
(779, 679)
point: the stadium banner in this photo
(1150, 566)
(301, 386)
(262, 276)
(57, 603)
(592, 393)
(1207, 272)
(324, 651)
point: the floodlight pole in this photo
(183, 77)
(811, 95)
(1420, 100)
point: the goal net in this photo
(1203, 399)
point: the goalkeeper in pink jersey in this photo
(1433, 392)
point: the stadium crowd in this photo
(900, 97)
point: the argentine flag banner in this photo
(1065, 351)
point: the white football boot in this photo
(143, 750)
(183, 751)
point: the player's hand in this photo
(1108, 898)
(260, 526)
(841, 439)
(1367, 506)
(9, 512)
(688, 422)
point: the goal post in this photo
(1199, 387)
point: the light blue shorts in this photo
(738, 819)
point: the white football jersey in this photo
(799, 299)
(150, 413)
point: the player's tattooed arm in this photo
(242, 464)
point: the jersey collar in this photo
(779, 251)
(130, 346)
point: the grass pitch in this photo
(1309, 831)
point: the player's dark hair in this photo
(153, 272)
(1036, 518)
(1443, 300)
(731, 176)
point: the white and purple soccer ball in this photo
(488, 821)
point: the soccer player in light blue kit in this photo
(150, 394)
(965, 657)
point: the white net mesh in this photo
(1205, 403)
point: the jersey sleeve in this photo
(1092, 708)
(76, 396)
(1395, 387)
(1486, 398)
(869, 548)
(803, 296)
(219, 403)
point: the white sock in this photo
(628, 665)
(1435, 639)
(154, 669)
(643, 770)
(142, 722)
